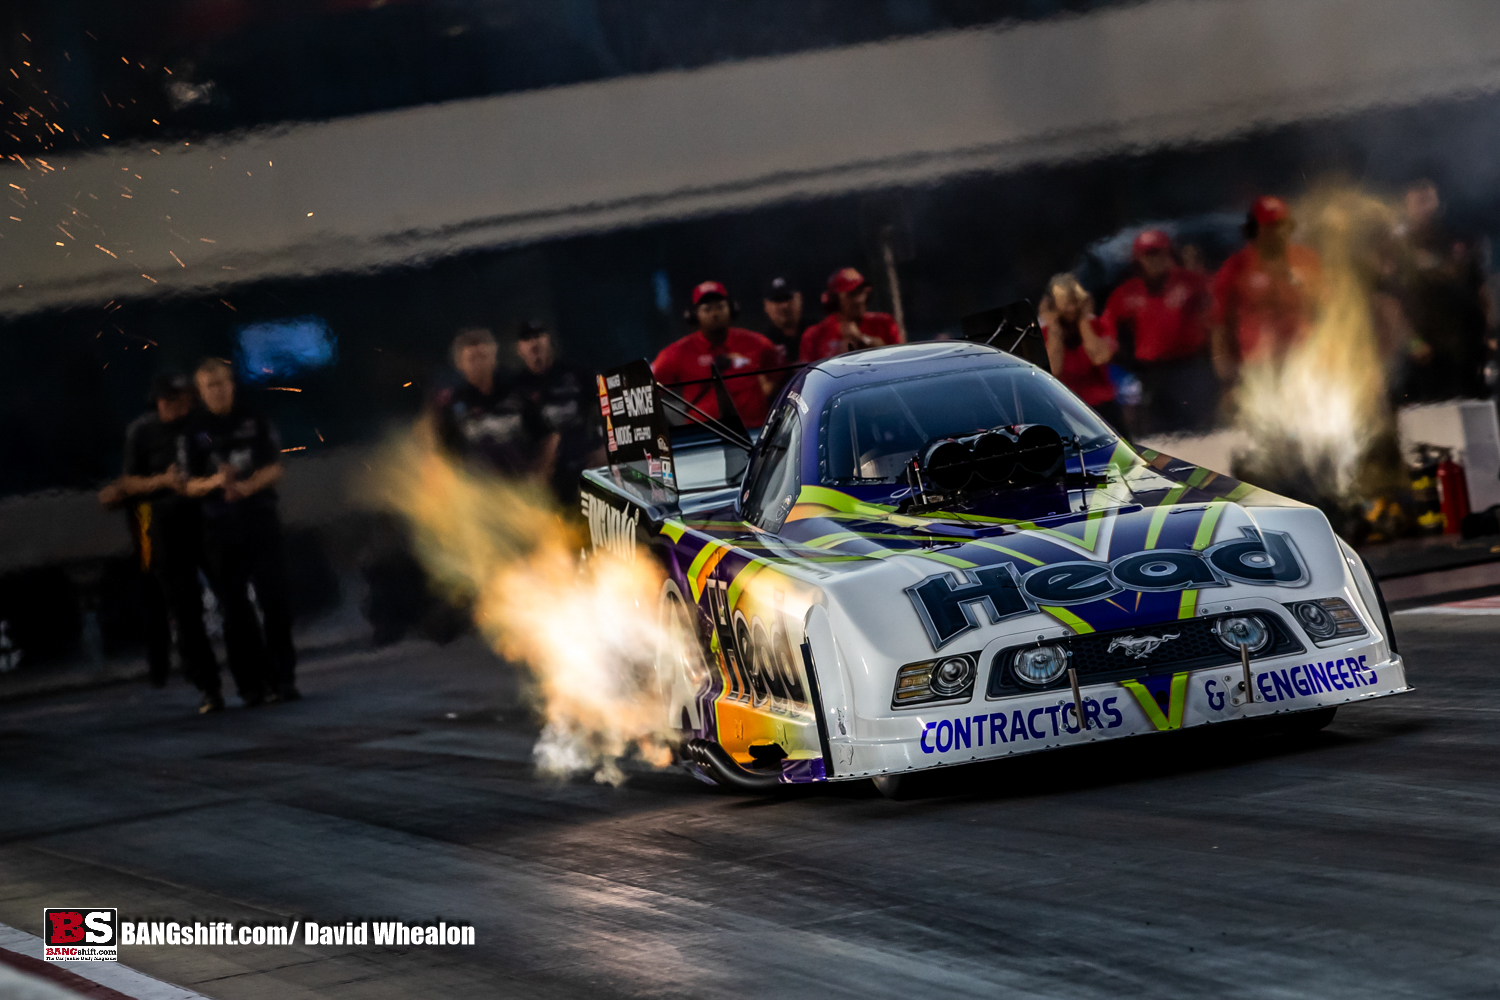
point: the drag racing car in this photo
(934, 554)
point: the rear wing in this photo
(636, 429)
(646, 422)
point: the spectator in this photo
(485, 421)
(234, 461)
(1159, 317)
(568, 403)
(168, 535)
(1265, 294)
(783, 307)
(849, 325)
(1447, 301)
(715, 345)
(1077, 352)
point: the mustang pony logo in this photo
(1141, 646)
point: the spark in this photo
(150, 279)
(233, 309)
(205, 239)
(65, 232)
(281, 388)
(405, 384)
(176, 258)
(18, 220)
(300, 447)
(318, 433)
(309, 215)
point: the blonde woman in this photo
(1076, 350)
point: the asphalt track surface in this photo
(1359, 863)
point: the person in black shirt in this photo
(167, 534)
(783, 306)
(234, 461)
(485, 422)
(569, 404)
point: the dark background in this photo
(70, 379)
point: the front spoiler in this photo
(986, 729)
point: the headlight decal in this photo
(1328, 619)
(948, 679)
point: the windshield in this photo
(870, 433)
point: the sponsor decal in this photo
(1141, 646)
(611, 528)
(945, 602)
(1018, 726)
(80, 934)
(1308, 679)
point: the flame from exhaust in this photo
(585, 629)
(1325, 403)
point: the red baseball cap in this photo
(1150, 241)
(845, 279)
(706, 288)
(1269, 209)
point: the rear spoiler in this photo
(641, 414)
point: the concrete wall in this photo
(69, 526)
(409, 185)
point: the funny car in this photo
(934, 554)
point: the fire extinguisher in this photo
(1453, 492)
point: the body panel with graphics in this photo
(849, 622)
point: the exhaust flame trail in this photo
(1316, 414)
(585, 629)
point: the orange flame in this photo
(585, 629)
(1326, 402)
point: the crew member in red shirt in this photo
(715, 343)
(1077, 351)
(1159, 317)
(849, 325)
(1265, 294)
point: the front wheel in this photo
(1307, 723)
(895, 787)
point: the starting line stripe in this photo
(1445, 609)
(105, 980)
(1477, 606)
